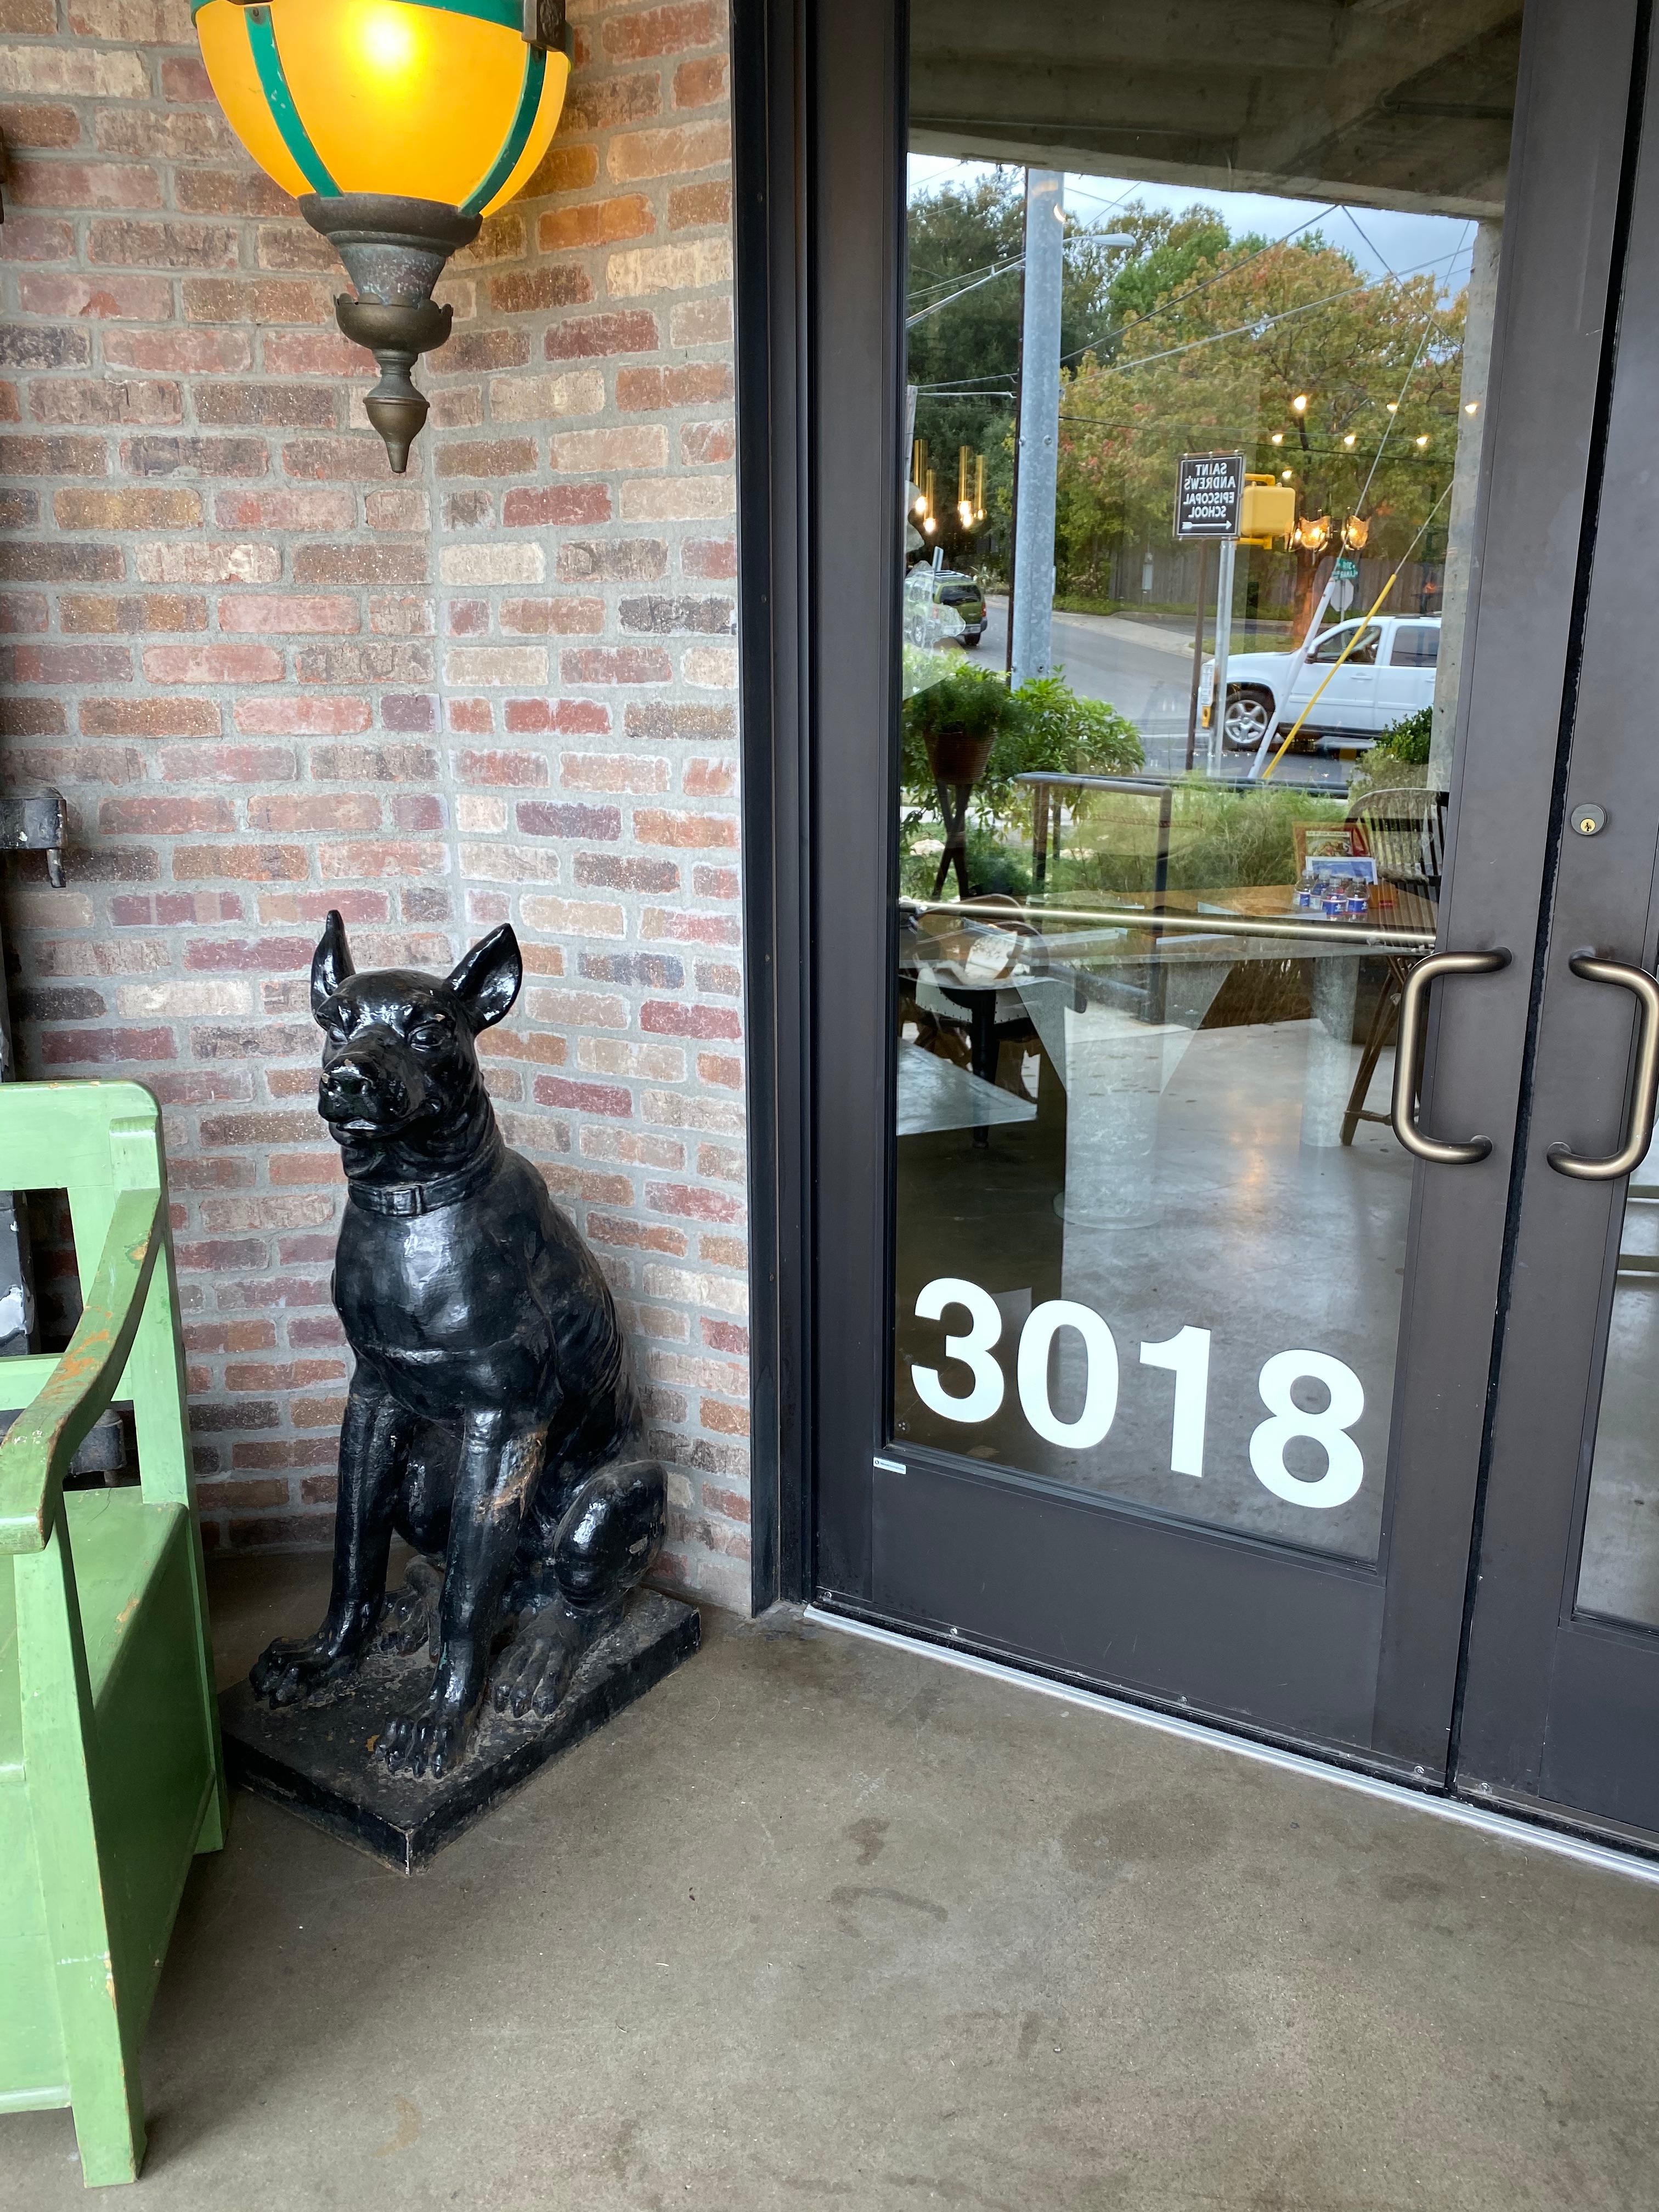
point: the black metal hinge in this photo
(33, 821)
(544, 25)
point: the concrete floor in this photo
(825, 1922)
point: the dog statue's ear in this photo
(486, 980)
(330, 963)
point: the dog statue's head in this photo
(400, 1066)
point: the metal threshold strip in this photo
(1505, 1826)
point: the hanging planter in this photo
(397, 126)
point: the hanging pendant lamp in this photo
(397, 126)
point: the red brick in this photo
(350, 863)
(158, 456)
(261, 301)
(691, 206)
(702, 443)
(653, 826)
(607, 1098)
(229, 192)
(350, 460)
(487, 457)
(642, 154)
(309, 716)
(526, 291)
(288, 614)
(259, 954)
(83, 184)
(564, 168)
(229, 764)
(673, 1018)
(695, 1205)
(69, 664)
(36, 237)
(699, 84)
(213, 664)
(581, 718)
(622, 663)
(135, 298)
(269, 406)
(501, 768)
(134, 506)
(149, 718)
(556, 504)
(601, 105)
(88, 1047)
(709, 558)
(284, 510)
(595, 222)
(585, 337)
(36, 124)
(121, 242)
(315, 353)
(165, 817)
(655, 31)
(692, 384)
(293, 816)
(258, 863)
(78, 613)
(52, 457)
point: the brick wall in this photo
(271, 678)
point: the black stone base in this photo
(318, 1760)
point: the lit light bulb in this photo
(1349, 439)
(388, 40)
(922, 506)
(1394, 407)
(1471, 406)
(1299, 404)
(1285, 475)
(930, 526)
(965, 513)
(1423, 441)
(1279, 437)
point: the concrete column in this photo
(1039, 426)
(1466, 483)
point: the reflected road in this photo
(1144, 668)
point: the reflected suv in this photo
(1389, 673)
(952, 589)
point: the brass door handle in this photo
(1408, 1056)
(1639, 1135)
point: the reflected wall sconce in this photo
(1312, 533)
(1355, 531)
(397, 126)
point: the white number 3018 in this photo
(1186, 1354)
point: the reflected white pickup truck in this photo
(1390, 672)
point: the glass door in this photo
(1202, 437)
(1561, 1709)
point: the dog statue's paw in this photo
(535, 1670)
(292, 1669)
(410, 1619)
(435, 1737)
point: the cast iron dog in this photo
(492, 1417)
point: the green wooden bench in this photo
(111, 1772)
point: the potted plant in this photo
(954, 724)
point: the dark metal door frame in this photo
(1560, 1711)
(820, 218)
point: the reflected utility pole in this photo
(1029, 614)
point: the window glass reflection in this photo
(1198, 342)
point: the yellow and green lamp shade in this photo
(433, 99)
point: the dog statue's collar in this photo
(411, 1198)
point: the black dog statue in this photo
(493, 1419)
